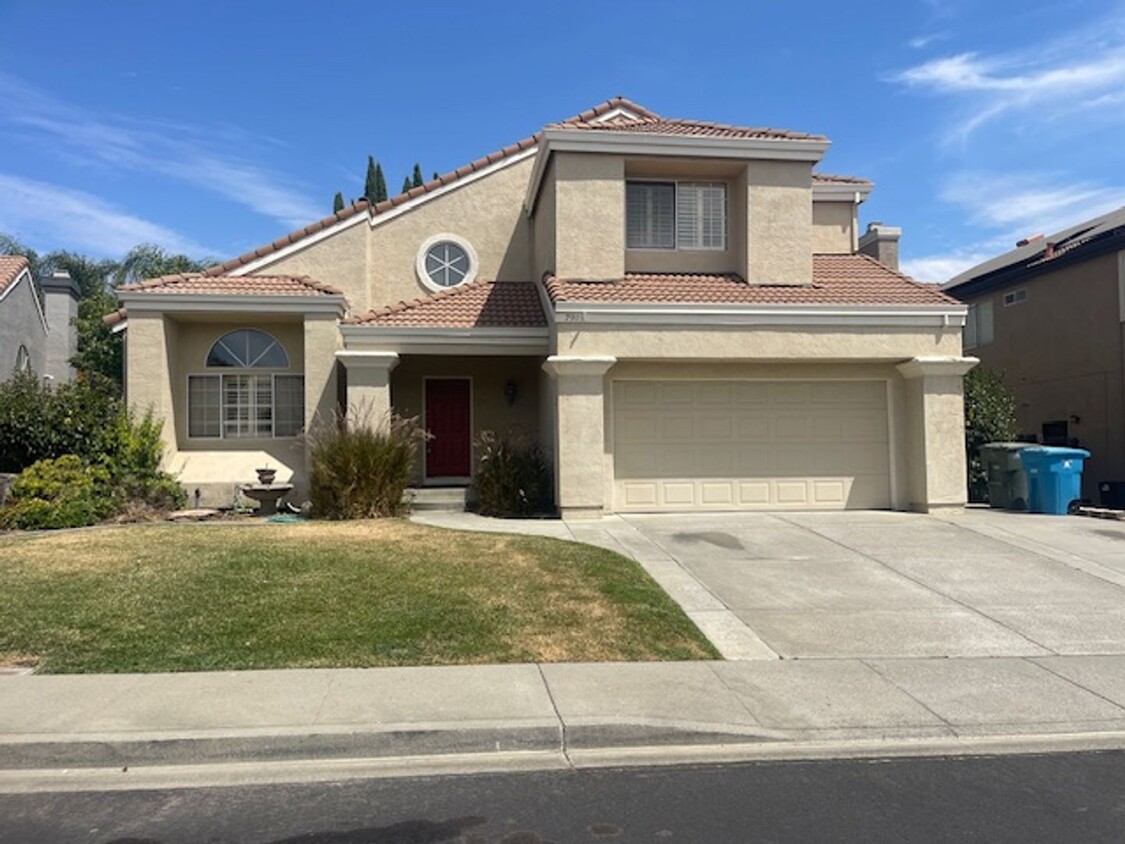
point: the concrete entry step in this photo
(446, 498)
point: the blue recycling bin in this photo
(1054, 477)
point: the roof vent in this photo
(1031, 238)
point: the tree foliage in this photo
(416, 179)
(370, 182)
(337, 203)
(990, 416)
(406, 184)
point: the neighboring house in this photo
(1049, 317)
(36, 331)
(676, 309)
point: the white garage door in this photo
(746, 445)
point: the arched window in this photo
(250, 403)
(23, 359)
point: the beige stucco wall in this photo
(590, 216)
(762, 343)
(1060, 353)
(149, 347)
(21, 325)
(543, 225)
(833, 228)
(339, 260)
(779, 222)
(933, 431)
(488, 213)
(491, 411)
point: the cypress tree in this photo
(406, 184)
(380, 184)
(435, 175)
(418, 180)
(371, 184)
(337, 203)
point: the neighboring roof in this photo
(478, 304)
(837, 280)
(1042, 254)
(10, 268)
(246, 285)
(653, 125)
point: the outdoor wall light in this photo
(510, 392)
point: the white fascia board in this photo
(447, 341)
(686, 146)
(840, 192)
(25, 276)
(386, 216)
(696, 316)
(228, 303)
(119, 327)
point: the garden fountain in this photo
(266, 492)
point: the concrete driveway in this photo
(875, 584)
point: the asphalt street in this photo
(1078, 797)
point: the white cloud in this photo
(941, 268)
(1045, 82)
(44, 215)
(209, 158)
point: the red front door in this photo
(449, 452)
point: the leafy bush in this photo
(59, 493)
(360, 470)
(990, 416)
(89, 422)
(513, 477)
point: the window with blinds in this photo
(675, 215)
(233, 406)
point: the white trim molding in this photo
(562, 366)
(448, 341)
(696, 316)
(380, 360)
(138, 302)
(375, 220)
(841, 192)
(458, 241)
(930, 366)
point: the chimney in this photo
(60, 304)
(881, 243)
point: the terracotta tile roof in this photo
(120, 315)
(247, 285)
(10, 268)
(653, 125)
(361, 205)
(835, 179)
(478, 304)
(837, 280)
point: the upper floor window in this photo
(676, 215)
(446, 260)
(23, 359)
(1015, 297)
(978, 325)
(248, 348)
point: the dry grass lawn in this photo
(320, 594)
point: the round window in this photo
(446, 261)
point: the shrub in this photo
(990, 416)
(513, 477)
(59, 493)
(360, 470)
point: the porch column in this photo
(369, 383)
(579, 391)
(935, 432)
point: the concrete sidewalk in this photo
(53, 722)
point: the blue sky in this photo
(211, 128)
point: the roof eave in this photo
(141, 301)
(716, 314)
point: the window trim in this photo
(1015, 297)
(676, 183)
(288, 363)
(432, 241)
(217, 372)
(972, 318)
(23, 360)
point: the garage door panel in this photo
(727, 445)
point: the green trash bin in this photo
(1007, 480)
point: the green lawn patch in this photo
(344, 594)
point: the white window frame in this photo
(1015, 297)
(444, 237)
(978, 325)
(681, 188)
(223, 435)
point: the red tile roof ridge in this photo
(115, 317)
(839, 179)
(640, 123)
(176, 279)
(519, 306)
(410, 304)
(920, 285)
(10, 268)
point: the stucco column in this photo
(579, 433)
(149, 380)
(369, 383)
(935, 432)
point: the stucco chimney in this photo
(60, 303)
(881, 243)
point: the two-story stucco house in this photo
(676, 309)
(1049, 316)
(36, 325)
